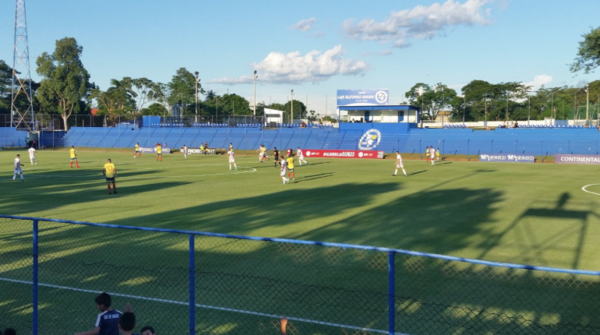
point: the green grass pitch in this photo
(519, 213)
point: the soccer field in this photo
(523, 213)
(535, 214)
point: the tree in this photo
(65, 80)
(160, 93)
(155, 109)
(588, 56)
(116, 101)
(142, 89)
(183, 87)
(5, 86)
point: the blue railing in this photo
(425, 293)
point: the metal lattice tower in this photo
(21, 106)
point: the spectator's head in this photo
(127, 321)
(103, 301)
(148, 330)
(10, 331)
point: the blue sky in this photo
(315, 47)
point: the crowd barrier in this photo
(188, 282)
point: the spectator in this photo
(9, 331)
(107, 322)
(147, 330)
(127, 323)
(516, 124)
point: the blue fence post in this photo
(35, 278)
(192, 286)
(391, 293)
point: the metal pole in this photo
(292, 106)
(192, 283)
(196, 105)
(391, 293)
(254, 107)
(587, 105)
(35, 277)
(529, 112)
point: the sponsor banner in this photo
(507, 158)
(577, 159)
(349, 97)
(153, 150)
(197, 151)
(343, 154)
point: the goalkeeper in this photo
(110, 172)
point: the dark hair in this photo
(10, 331)
(148, 328)
(127, 321)
(103, 299)
(109, 160)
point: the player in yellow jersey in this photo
(110, 172)
(290, 167)
(137, 150)
(158, 152)
(73, 157)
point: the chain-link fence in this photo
(183, 282)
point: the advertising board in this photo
(344, 154)
(509, 158)
(349, 97)
(577, 159)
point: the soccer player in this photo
(32, 156)
(300, 157)
(437, 154)
(427, 154)
(290, 167)
(261, 153)
(276, 154)
(18, 170)
(265, 152)
(184, 149)
(432, 154)
(158, 152)
(73, 157)
(206, 148)
(231, 158)
(289, 152)
(284, 171)
(110, 172)
(399, 164)
(202, 148)
(230, 146)
(137, 150)
(107, 322)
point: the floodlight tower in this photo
(22, 115)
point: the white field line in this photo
(584, 189)
(175, 302)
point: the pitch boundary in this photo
(584, 189)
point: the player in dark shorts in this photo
(276, 154)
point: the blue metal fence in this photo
(245, 285)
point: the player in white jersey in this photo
(300, 156)
(185, 151)
(399, 164)
(284, 171)
(231, 158)
(32, 156)
(18, 170)
(432, 154)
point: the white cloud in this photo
(319, 34)
(538, 81)
(295, 67)
(304, 25)
(419, 22)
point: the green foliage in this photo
(5, 87)
(155, 109)
(300, 111)
(65, 80)
(431, 99)
(228, 104)
(588, 55)
(183, 87)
